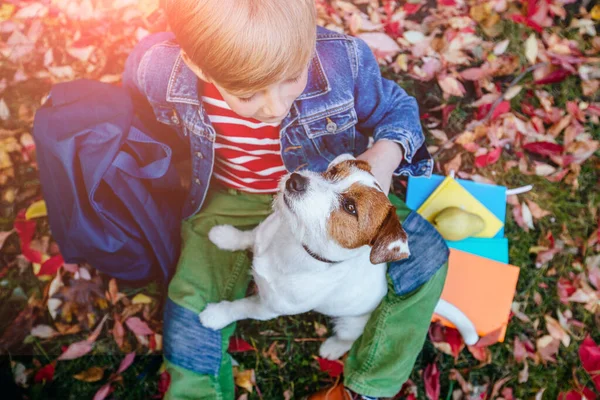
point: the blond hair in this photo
(245, 45)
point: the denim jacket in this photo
(345, 102)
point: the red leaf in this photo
(448, 3)
(411, 8)
(589, 353)
(26, 229)
(76, 350)
(138, 326)
(544, 148)
(333, 367)
(431, 376)
(489, 158)
(126, 362)
(446, 111)
(565, 289)
(576, 394)
(51, 265)
(502, 108)
(237, 345)
(164, 381)
(554, 77)
(45, 374)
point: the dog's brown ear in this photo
(390, 242)
(362, 164)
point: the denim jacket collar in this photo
(181, 88)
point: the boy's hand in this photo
(384, 157)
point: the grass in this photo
(298, 372)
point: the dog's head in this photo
(338, 212)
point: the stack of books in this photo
(481, 283)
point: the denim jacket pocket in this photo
(331, 125)
(329, 136)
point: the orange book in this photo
(482, 290)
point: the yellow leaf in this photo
(6, 10)
(595, 13)
(93, 374)
(244, 379)
(36, 210)
(141, 298)
(531, 49)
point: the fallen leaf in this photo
(238, 345)
(557, 331)
(43, 331)
(536, 210)
(104, 391)
(244, 379)
(531, 49)
(431, 378)
(381, 44)
(94, 335)
(544, 148)
(482, 354)
(547, 347)
(118, 331)
(513, 92)
(332, 367)
(454, 164)
(519, 350)
(589, 354)
(126, 362)
(141, 298)
(93, 374)
(36, 210)
(271, 353)
(501, 47)
(490, 338)
(138, 326)
(320, 329)
(577, 394)
(451, 86)
(76, 350)
(489, 158)
(45, 374)
(524, 373)
(4, 111)
(527, 217)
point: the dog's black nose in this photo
(296, 183)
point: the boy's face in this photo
(269, 105)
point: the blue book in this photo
(493, 197)
(492, 248)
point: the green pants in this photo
(379, 362)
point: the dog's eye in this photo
(349, 206)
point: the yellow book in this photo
(450, 193)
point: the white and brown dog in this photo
(324, 248)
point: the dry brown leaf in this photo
(93, 374)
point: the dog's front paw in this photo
(226, 237)
(215, 316)
(334, 347)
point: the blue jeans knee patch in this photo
(187, 343)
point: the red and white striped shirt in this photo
(247, 151)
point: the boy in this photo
(255, 90)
